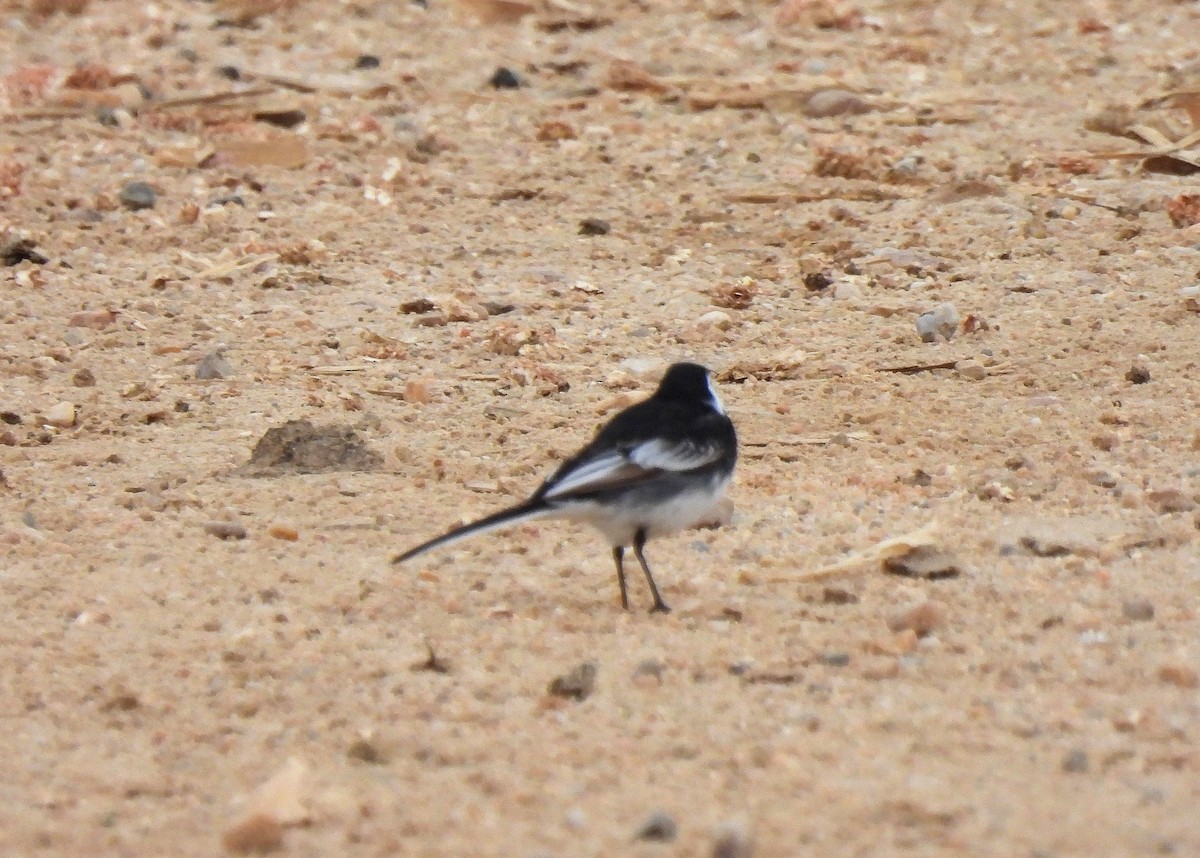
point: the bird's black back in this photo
(680, 412)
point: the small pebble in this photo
(576, 684)
(1137, 610)
(1177, 673)
(834, 659)
(138, 195)
(83, 378)
(920, 478)
(418, 391)
(658, 827)
(649, 672)
(366, 61)
(61, 415)
(229, 72)
(366, 751)
(718, 319)
(1076, 761)
(1103, 479)
(417, 306)
(225, 529)
(94, 319)
(594, 226)
(846, 290)
(921, 619)
(12, 418)
(214, 365)
(732, 840)
(1170, 500)
(255, 835)
(838, 596)
(971, 369)
(834, 102)
(908, 167)
(941, 322)
(284, 531)
(503, 78)
(1105, 441)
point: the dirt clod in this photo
(21, 250)
(300, 447)
(659, 827)
(576, 684)
(226, 530)
(1076, 761)
(594, 226)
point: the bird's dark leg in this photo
(639, 542)
(619, 559)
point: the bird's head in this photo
(689, 382)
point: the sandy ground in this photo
(785, 190)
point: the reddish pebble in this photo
(284, 531)
(255, 835)
(1183, 675)
(417, 391)
(95, 319)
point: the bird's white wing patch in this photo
(678, 456)
(590, 474)
(616, 467)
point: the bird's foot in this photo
(660, 607)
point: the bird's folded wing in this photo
(660, 454)
(622, 467)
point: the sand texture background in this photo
(217, 218)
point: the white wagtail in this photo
(658, 467)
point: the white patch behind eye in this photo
(716, 400)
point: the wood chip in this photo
(874, 556)
(628, 76)
(284, 150)
(498, 11)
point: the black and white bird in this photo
(658, 467)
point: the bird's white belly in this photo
(660, 518)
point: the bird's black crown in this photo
(684, 381)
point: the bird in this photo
(659, 466)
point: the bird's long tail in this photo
(506, 517)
